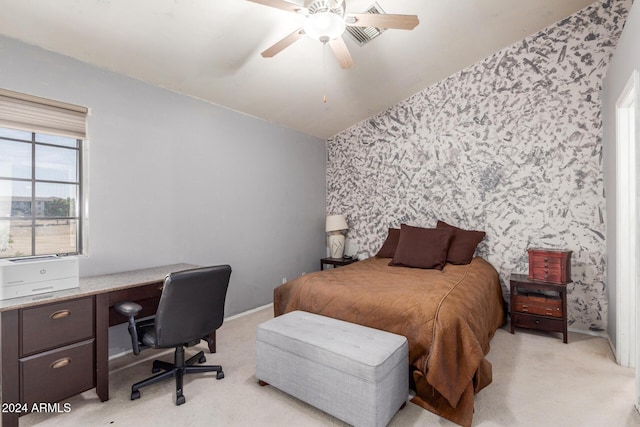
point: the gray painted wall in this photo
(511, 145)
(624, 61)
(174, 179)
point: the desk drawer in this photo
(57, 374)
(136, 293)
(147, 296)
(55, 325)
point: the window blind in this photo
(35, 114)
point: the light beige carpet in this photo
(537, 381)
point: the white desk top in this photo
(94, 285)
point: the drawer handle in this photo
(60, 363)
(60, 314)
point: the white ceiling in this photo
(210, 49)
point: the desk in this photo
(56, 345)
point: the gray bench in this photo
(355, 373)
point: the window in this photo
(40, 176)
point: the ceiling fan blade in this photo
(280, 4)
(283, 44)
(399, 22)
(341, 52)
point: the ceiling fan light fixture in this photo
(324, 26)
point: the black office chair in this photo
(191, 307)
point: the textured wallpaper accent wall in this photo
(511, 145)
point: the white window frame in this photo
(41, 115)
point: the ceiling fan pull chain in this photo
(324, 71)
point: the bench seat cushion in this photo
(356, 373)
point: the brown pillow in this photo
(422, 247)
(388, 248)
(463, 245)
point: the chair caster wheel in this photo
(202, 359)
(135, 395)
(180, 400)
(220, 375)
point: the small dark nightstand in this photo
(336, 262)
(538, 305)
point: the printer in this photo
(21, 277)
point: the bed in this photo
(448, 316)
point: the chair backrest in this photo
(191, 305)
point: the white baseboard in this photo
(124, 353)
(601, 334)
(246, 313)
(226, 319)
(613, 349)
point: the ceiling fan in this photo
(326, 21)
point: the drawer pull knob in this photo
(60, 363)
(60, 314)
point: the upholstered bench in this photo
(355, 373)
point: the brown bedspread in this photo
(448, 317)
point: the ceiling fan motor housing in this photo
(334, 6)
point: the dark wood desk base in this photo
(147, 295)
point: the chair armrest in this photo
(131, 310)
(128, 308)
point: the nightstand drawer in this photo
(536, 304)
(54, 325)
(537, 322)
(57, 374)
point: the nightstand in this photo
(336, 262)
(538, 305)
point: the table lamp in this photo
(336, 224)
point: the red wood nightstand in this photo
(535, 308)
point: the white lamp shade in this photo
(336, 223)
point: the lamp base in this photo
(336, 245)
